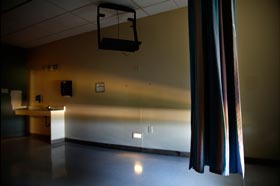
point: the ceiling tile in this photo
(49, 27)
(140, 13)
(128, 3)
(70, 4)
(145, 3)
(60, 23)
(181, 3)
(78, 30)
(26, 35)
(28, 14)
(61, 35)
(109, 22)
(88, 12)
(41, 41)
(162, 7)
(113, 20)
(108, 12)
(124, 16)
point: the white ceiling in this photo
(31, 23)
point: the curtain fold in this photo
(216, 123)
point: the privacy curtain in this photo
(216, 124)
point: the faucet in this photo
(49, 107)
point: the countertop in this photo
(37, 111)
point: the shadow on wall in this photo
(118, 91)
(99, 112)
(150, 86)
(126, 106)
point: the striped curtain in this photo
(216, 123)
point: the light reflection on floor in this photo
(27, 161)
(138, 169)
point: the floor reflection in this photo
(58, 161)
(27, 161)
(138, 168)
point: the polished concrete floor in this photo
(29, 161)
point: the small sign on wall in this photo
(100, 87)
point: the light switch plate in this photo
(150, 129)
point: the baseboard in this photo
(57, 142)
(248, 160)
(14, 136)
(40, 136)
(129, 148)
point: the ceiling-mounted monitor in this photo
(116, 43)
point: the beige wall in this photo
(152, 85)
(258, 27)
(148, 87)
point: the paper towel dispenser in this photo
(66, 88)
(39, 98)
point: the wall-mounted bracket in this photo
(113, 43)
